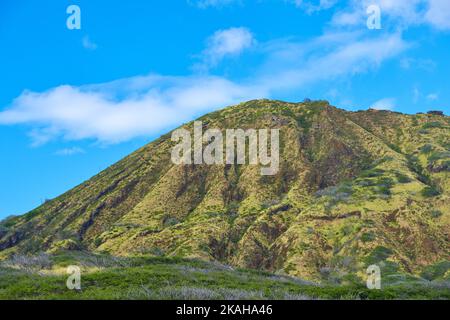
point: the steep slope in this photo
(353, 189)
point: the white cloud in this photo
(312, 6)
(294, 65)
(397, 14)
(88, 44)
(69, 151)
(348, 18)
(146, 105)
(438, 14)
(433, 96)
(224, 43)
(416, 95)
(203, 4)
(385, 104)
(422, 64)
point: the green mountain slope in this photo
(353, 189)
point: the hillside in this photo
(353, 189)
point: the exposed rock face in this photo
(353, 189)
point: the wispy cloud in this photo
(69, 151)
(416, 94)
(399, 14)
(433, 96)
(385, 104)
(145, 105)
(293, 65)
(310, 6)
(203, 4)
(422, 64)
(88, 43)
(314, 6)
(438, 14)
(225, 43)
(419, 96)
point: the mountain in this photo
(353, 189)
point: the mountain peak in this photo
(353, 189)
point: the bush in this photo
(155, 251)
(368, 237)
(436, 271)
(3, 231)
(426, 148)
(372, 173)
(402, 178)
(438, 156)
(9, 221)
(394, 147)
(384, 185)
(29, 263)
(429, 192)
(170, 221)
(379, 254)
(436, 113)
(436, 214)
(432, 125)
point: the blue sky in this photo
(72, 102)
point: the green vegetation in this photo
(437, 271)
(105, 277)
(429, 192)
(402, 178)
(353, 189)
(432, 125)
(426, 148)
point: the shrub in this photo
(394, 147)
(233, 207)
(188, 293)
(436, 113)
(436, 271)
(426, 148)
(438, 155)
(402, 178)
(436, 214)
(104, 261)
(379, 254)
(372, 173)
(69, 245)
(157, 252)
(384, 190)
(3, 230)
(432, 125)
(9, 221)
(170, 221)
(368, 237)
(429, 192)
(30, 263)
(98, 241)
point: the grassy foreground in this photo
(106, 277)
